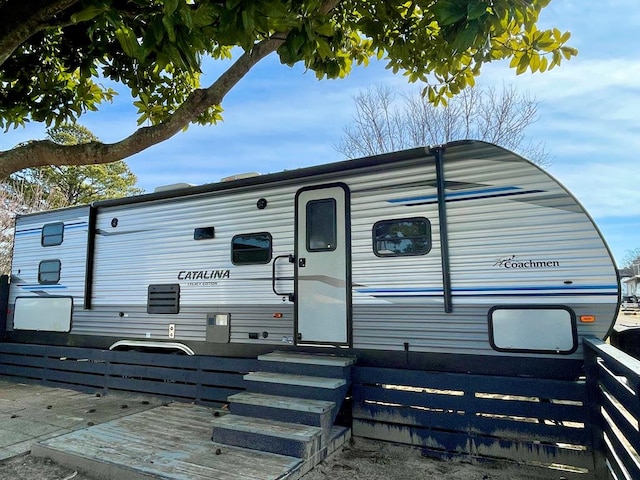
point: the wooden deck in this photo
(167, 442)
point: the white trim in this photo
(147, 344)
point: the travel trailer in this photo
(463, 256)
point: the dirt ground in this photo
(371, 460)
(26, 467)
(362, 459)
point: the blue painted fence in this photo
(205, 380)
(614, 389)
(539, 423)
(584, 429)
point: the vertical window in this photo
(321, 225)
(49, 272)
(251, 248)
(408, 236)
(52, 234)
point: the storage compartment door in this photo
(46, 314)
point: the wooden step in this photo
(306, 364)
(285, 403)
(304, 411)
(291, 439)
(298, 380)
(297, 386)
(307, 358)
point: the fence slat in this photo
(621, 453)
(621, 422)
(497, 427)
(621, 392)
(614, 378)
(617, 361)
(202, 379)
(526, 387)
(437, 440)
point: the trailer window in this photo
(204, 233)
(533, 328)
(407, 236)
(52, 234)
(49, 272)
(251, 248)
(321, 225)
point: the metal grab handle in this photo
(291, 259)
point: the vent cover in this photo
(163, 298)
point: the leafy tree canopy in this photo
(53, 54)
(64, 185)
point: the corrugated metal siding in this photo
(510, 208)
(498, 206)
(154, 243)
(28, 253)
(190, 324)
(465, 330)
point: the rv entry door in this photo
(323, 278)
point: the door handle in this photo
(302, 262)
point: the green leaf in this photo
(128, 41)
(476, 10)
(88, 13)
(448, 12)
(204, 15)
(169, 28)
(523, 64)
(467, 36)
(170, 6)
(568, 52)
(543, 64)
(534, 64)
(325, 29)
(247, 21)
(323, 49)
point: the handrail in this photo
(291, 259)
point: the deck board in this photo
(171, 442)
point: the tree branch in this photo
(23, 18)
(44, 152)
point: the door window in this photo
(321, 225)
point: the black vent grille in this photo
(163, 298)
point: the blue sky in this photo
(281, 118)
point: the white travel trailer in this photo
(464, 256)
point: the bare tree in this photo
(383, 124)
(631, 261)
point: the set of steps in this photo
(289, 407)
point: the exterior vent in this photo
(163, 298)
(173, 186)
(240, 176)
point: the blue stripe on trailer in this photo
(484, 191)
(43, 287)
(495, 291)
(38, 230)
